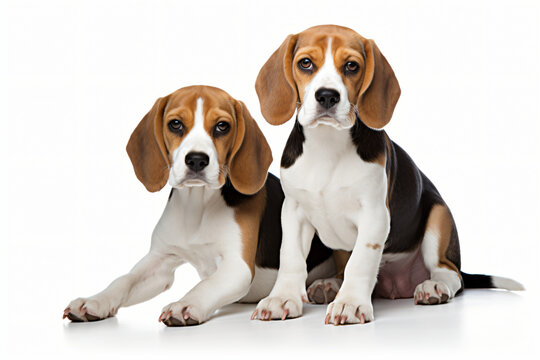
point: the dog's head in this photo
(330, 73)
(197, 136)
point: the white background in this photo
(77, 76)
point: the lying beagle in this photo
(222, 216)
(346, 181)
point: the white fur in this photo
(186, 232)
(197, 140)
(290, 286)
(430, 254)
(330, 189)
(327, 76)
(430, 249)
(262, 284)
(505, 283)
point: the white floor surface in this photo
(477, 323)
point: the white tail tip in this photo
(505, 283)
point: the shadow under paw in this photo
(174, 322)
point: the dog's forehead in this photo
(319, 36)
(213, 98)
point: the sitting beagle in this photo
(222, 216)
(346, 181)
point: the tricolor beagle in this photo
(346, 181)
(222, 216)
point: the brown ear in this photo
(380, 89)
(275, 84)
(251, 155)
(147, 151)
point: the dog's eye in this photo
(176, 126)
(351, 67)
(305, 64)
(222, 128)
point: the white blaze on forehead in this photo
(328, 74)
(199, 115)
(198, 124)
(327, 77)
(197, 138)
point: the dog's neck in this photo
(326, 138)
(369, 143)
(203, 195)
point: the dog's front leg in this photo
(353, 301)
(285, 299)
(229, 283)
(152, 275)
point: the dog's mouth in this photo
(330, 120)
(193, 179)
(194, 182)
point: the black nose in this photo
(197, 161)
(327, 97)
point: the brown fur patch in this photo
(250, 155)
(341, 257)
(373, 246)
(248, 216)
(275, 85)
(183, 111)
(146, 148)
(381, 159)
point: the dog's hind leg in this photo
(440, 252)
(324, 291)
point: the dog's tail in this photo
(477, 281)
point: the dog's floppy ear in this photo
(275, 84)
(380, 88)
(147, 151)
(250, 156)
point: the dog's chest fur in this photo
(188, 227)
(333, 185)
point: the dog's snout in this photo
(327, 97)
(197, 161)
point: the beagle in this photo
(222, 215)
(346, 181)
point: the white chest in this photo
(333, 186)
(199, 227)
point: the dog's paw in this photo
(183, 313)
(324, 291)
(341, 313)
(431, 293)
(279, 307)
(89, 309)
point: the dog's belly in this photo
(399, 274)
